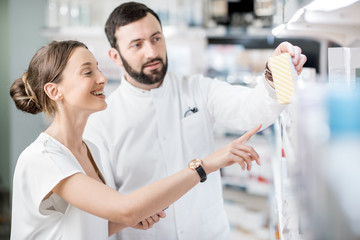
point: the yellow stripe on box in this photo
(284, 75)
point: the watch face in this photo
(193, 164)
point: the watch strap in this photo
(201, 173)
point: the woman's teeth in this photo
(97, 93)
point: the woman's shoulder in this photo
(44, 144)
(36, 148)
(43, 149)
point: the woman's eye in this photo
(88, 73)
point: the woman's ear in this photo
(53, 92)
(115, 56)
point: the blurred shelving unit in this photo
(285, 212)
(246, 192)
(304, 205)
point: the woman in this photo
(59, 192)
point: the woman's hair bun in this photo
(22, 100)
(46, 66)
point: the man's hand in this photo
(297, 57)
(150, 221)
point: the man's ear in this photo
(53, 92)
(115, 56)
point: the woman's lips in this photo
(100, 93)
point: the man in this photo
(156, 122)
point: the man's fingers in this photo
(301, 63)
(161, 214)
(150, 222)
(283, 48)
(145, 224)
(155, 218)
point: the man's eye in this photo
(136, 45)
(88, 73)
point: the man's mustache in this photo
(153, 60)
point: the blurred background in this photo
(306, 187)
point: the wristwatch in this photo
(195, 164)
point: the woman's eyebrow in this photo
(86, 64)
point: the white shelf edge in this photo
(340, 25)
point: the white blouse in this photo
(40, 167)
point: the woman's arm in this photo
(96, 198)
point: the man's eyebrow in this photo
(139, 39)
(135, 40)
(158, 32)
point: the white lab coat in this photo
(143, 136)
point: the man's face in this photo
(142, 50)
(155, 76)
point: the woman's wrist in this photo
(206, 167)
(197, 165)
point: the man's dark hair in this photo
(124, 14)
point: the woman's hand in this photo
(235, 152)
(147, 223)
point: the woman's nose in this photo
(101, 79)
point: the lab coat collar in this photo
(141, 92)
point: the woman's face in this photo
(82, 83)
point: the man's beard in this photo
(156, 75)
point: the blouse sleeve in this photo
(43, 165)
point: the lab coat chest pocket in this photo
(192, 134)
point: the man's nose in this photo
(150, 51)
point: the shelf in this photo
(71, 32)
(99, 32)
(287, 213)
(321, 19)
